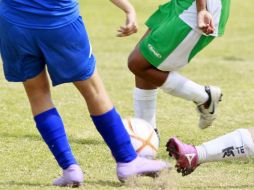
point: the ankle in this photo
(201, 154)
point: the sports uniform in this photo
(172, 40)
(175, 37)
(38, 33)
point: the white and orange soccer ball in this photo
(143, 137)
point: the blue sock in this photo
(111, 128)
(51, 128)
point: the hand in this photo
(205, 22)
(130, 27)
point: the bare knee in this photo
(137, 64)
(132, 63)
(40, 100)
(38, 92)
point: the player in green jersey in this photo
(177, 31)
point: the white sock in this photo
(236, 144)
(179, 86)
(145, 105)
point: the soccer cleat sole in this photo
(172, 152)
(171, 148)
(148, 174)
(72, 185)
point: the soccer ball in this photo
(143, 137)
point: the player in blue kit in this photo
(50, 33)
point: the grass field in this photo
(25, 162)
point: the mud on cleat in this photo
(186, 156)
(208, 110)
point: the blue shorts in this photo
(66, 52)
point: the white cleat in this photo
(141, 166)
(208, 111)
(72, 177)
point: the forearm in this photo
(125, 5)
(201, 5)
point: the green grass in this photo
(25, 162)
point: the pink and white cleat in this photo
(140, 166)
(72, 177)
(186, 156)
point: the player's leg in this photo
(145, 97)
(38, 92)
(171, 82)
(174, 84)
(51, 128)
(234, 145)
(22, 61)
(168, 47)
(145, 92)
(109, 124)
